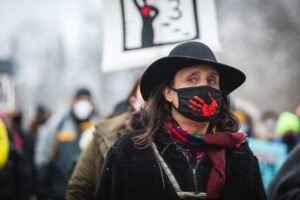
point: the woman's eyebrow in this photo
(194, 73)
(213, 73)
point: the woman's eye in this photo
(211, 81)
(192, 79)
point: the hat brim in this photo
(163, 70)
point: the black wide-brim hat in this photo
(186, 55)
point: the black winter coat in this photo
(15, 177)
(131, 173)
(285, 185)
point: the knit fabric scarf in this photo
(214, 146)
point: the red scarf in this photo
(214, 146)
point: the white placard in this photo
(7, 93)
(137, 32)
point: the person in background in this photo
(285, 185)
(188, 145)
(25, 143)
(266, 127)
(15, 174)
(122, 106)
(288, 128)
(297, 111)
(245, 121)
(60, 145)
(82, 184)
(125, 104)
(4, 144)
(41, 116)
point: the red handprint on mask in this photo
(201, 108)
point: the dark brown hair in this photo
(156, 108)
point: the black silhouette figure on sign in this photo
(148, 14)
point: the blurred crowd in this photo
(281, 128)
(55, 156)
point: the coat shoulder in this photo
(111, 124)
(124, 146)
(244, 149)
(241, 157)
(126, 141)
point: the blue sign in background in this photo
(270, 155)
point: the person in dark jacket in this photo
(187, 146)
(61, 145)
(14, 167)
(285, 185)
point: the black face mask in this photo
(200, 104)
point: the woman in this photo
(189, 147)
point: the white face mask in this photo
(82, 109)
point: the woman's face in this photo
(193, 76)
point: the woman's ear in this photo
(167, 92)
